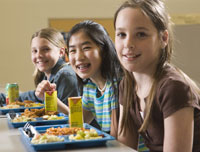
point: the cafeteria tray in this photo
(67, 143)
(39, 121)
(20, 109)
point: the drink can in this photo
(75, 112)
(12, 92)
(51, 101)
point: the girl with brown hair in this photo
(157, 100)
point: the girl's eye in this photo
(121, 34)
(46, 49)
(34, 51)
(141, 34)
(86, 48)
(72, 51)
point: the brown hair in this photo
(156, 11)
(53, 36)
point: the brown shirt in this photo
(172, 94)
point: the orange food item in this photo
(63, 131)
(34, 113)
(28, 101)
(17, 103)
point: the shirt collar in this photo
(55, 69)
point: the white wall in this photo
(21, 18)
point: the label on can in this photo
(51, 101)
(12, 92)
(75, 112)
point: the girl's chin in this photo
(42, 69)
(130, 69)
(83, 76)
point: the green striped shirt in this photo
(102, 106)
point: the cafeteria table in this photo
(10, 141)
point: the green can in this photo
(12, 92)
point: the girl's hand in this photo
(43, 86)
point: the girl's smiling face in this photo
(137, 41)
(84, 56)
(44, 54)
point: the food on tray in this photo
(85, 135)
(17, 103)
(30, 115)
(75, 133)
(33, 105)
(34, 113)
(23, 119)
(38, 140)
(45, 138)
(25, 103)
(28, 101)
(10, 106)
(52, 117)
(63, 131)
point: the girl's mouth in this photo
(132, 57)
(83, 67)
(41, 62)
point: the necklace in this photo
(104, 88)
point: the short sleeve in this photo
(87, 97)
(174, 95)
(84, 102)
(113, 99)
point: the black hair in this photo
(110, 67)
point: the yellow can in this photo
(75, 112)
(51, 101)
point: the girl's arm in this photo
(87, 116)
(114, 123)
(130, 138)
(45, 85)
(178, 130)
(62, 107)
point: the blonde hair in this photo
(53, 36)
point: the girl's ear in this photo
(164, 39)
(62, 52)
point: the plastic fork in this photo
(29, 130)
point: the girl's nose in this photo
(129, 43)
(39, 53)
(79, 55)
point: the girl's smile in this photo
(84, 56)
(83, 67)
(137, 41)
(44, 54)
(131, 57)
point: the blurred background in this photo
(21, 18)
